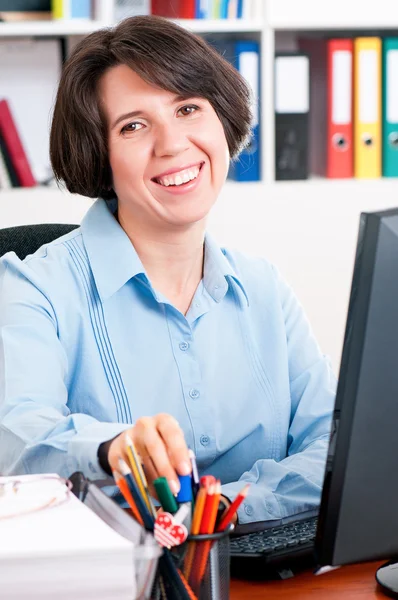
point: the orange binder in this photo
(367, 107)
(339, 162)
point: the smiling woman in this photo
(163, 56)
(138, 321)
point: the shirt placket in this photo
(200, 413)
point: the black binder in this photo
(292, 107)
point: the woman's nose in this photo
(170, 140)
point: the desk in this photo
(349, 582)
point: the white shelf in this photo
(382, 189)
(50, 28)
(220, 25)
(336, 14)
(82, 27)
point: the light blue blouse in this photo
(87, 345)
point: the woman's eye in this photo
(132, 127)
(188, 109)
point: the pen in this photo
(135, 492)
(195, 474)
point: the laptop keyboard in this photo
(281, 540)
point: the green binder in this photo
(390, 107)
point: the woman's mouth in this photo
(180, 180)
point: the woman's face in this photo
(169, 157)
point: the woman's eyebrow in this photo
(136, 113)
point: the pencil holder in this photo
(205, 565)
(197, 570)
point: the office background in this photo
(308, 227)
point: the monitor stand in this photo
(387, 578)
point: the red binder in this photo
(166, 8)
(187, 9)
(339, 162)
(14, 146)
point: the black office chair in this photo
(26, 239)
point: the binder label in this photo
(292, 94)
(368, 86)
(392, 86)
(249, 68)
(341, 87)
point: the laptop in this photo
(358, 518)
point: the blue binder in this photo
(224, 9)
(246, 59)
(203, 9)
(240, 9)
(80, 9)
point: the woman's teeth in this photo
(180, 177)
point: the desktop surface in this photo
(353, 582)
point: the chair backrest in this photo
(26, 239)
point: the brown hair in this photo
(164, 55)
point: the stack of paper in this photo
(66, 551)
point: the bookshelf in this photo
(50, 28)
(339, 14)
(308, 228)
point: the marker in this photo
(166, 498)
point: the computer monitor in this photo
(358, 517)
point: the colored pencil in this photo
(214, 507)
(124, 489)
(206, 546)
(230, 512)
(139, 474)
(204, 524)
(198, 510)
(138, 499)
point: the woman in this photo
(137, 320)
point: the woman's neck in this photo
(173, 260)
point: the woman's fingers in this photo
(151, 444)
(161, 444)
(174, 440)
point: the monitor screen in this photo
(358, 517)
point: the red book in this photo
(167, 8)
(11, 138)
(339, 109)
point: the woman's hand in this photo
(160, 442)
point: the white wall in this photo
(309, 230)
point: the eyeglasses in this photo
(31, 493)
